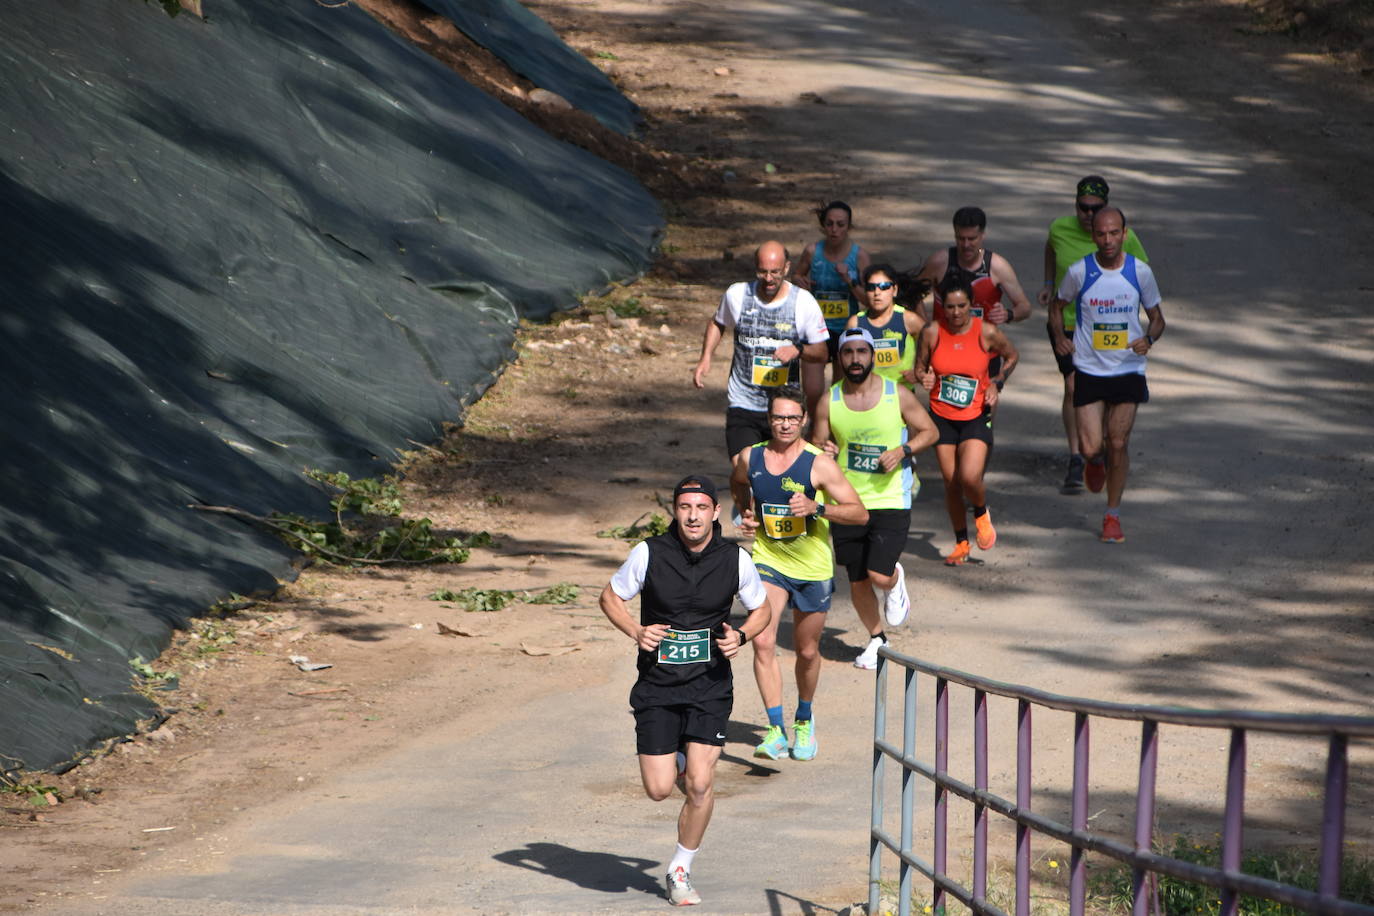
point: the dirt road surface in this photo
(502, 781)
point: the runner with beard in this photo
(687, 580)
(871, 425)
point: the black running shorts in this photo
(876, 546)
(664, 729)
(1065, 363)
(1113, 389)
(952, 432)
(744, 428)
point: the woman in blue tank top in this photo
(830, 269)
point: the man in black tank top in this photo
(989, 275)
(687, 580)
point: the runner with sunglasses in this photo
(1069, 242)
(895, 330)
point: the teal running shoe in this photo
(804, 739)
(774, 744)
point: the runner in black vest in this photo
(687, 580)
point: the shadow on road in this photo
(596, 871)
(780, 902)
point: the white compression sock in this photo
(682, 857)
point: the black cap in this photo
(695, 483)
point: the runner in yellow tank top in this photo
(872, 425)
(778, 486)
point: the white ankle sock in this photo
(682, 857)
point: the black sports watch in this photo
(820, 511)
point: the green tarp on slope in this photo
(233, 249)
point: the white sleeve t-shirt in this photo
(810, 322)
(629, 578)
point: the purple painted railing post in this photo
(1145, 811)
(980, 782)
(1333, 818)
(941, 793)
(875, 847)
(1023, 802)
(1077, 865)
(908, 788)
(1233, 826)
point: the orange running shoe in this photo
(987, 535)
(1095, 475)
(958, 555)
(1111, 530)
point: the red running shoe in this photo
(1095, 475)
(1111, 530)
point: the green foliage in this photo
(1183, 898)
(562, 593)
(629, 308)
(365, 496)
(210, 637)
(170, 7)
(656, 524)
(475, 599)
(604, 55)
(411, 540)
(34, 793)
(145, 671)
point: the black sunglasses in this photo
(1091, 208)
(886, 284)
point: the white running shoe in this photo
(680, 890)
(898, 603)
(868, 658)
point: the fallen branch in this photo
(342, 558)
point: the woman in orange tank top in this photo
(952, 364)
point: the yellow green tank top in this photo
(894, 350)
(862, 437)
(798, 548)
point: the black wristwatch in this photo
(820, 511)
(742, 638)
(906, 449)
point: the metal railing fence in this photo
(1231, 882)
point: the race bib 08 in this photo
(886, 352)
(685, 647)
(780, 524)
(864, 458)
(769, 372)
(1109, 336)
(957, 390)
